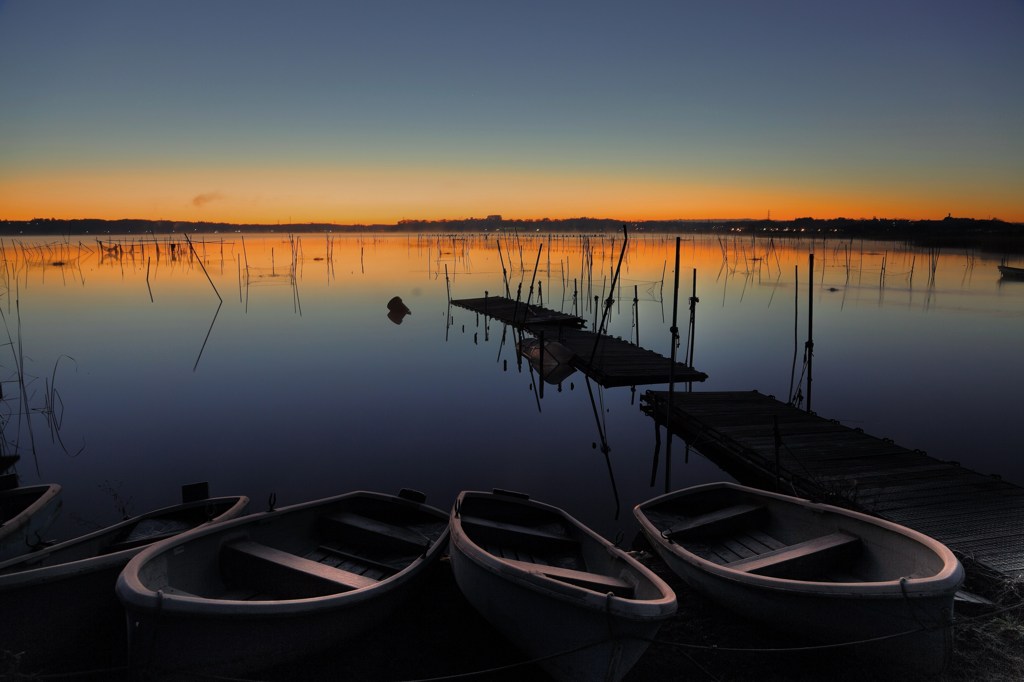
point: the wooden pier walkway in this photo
(758, 439)
(615, 362)
(517, 313)
(607, 360)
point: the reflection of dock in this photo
(517, 313)
(607, 360)
(749, 434)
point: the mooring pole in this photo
(693, 320)
(599, 328)
(636, 312)
(810, 324)
(504, 272)
(672, 374)
(534, 278)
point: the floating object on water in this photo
(397, 310)
(1010, 272)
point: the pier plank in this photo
(980, 517)
(608, 360)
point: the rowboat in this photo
(25, 514)
(824, 573)
(553, 587)
(278, 585)
(1010, 272)
(59, 604)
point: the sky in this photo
(259, 111)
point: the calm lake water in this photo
(139, 379)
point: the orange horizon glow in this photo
(367, 198)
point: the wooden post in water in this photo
(672, 374)
(810, 324)
(693, 322)
(636, 313)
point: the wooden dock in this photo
(518, 313)
(614, 362)
(763, 441)
(607, 360)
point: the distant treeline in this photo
(949, 232)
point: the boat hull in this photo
(899, 617)
(1010, 272)
(60, 610)
(28, 511)
(180, 620)
(574, 633)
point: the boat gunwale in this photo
(48, 491)
(944, 581)
(67, 569)
(135, 595)
(535, 580)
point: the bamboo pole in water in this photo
(810, 325)
(671, 373)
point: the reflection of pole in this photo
(605, 448)
(810, 324)
(672, 373)
(207, 338)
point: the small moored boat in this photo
(553, 587)
(1010, 272)
(824, 573)
(25, 514)
(58, 603)
(275, 586)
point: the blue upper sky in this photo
(349, 112)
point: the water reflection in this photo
(550, 359)
(295, 394)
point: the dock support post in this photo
(691, 339)
(672, 374)
(810, 325)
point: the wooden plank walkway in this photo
(517, 313)
(616, 362)
(980, 517)
(607, 360)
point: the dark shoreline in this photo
(988, 235)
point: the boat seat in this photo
(515, 531)
(801, 559)
(591, 581)
(721, 520)
(274, 571)
(399, 535)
